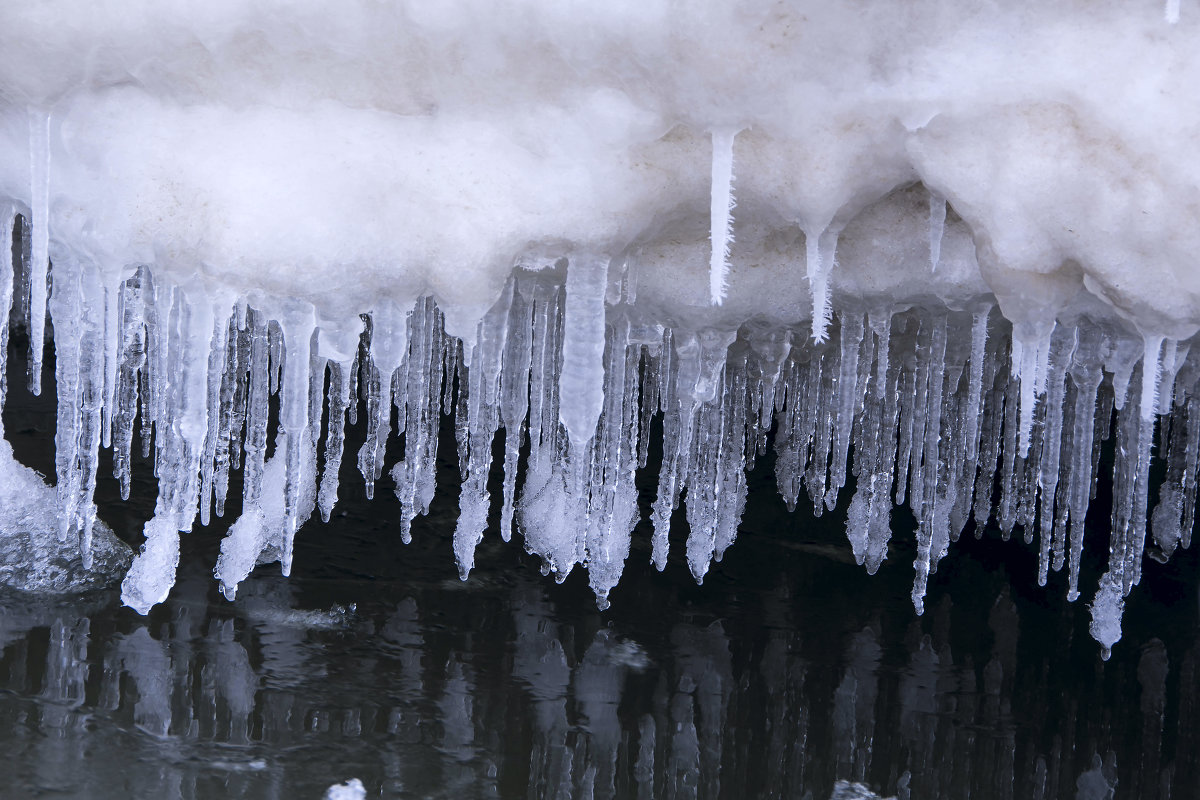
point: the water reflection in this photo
(799, 689)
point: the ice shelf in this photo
(963, 244)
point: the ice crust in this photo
(964, 234)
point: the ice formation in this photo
(963, 242)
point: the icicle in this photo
(849, 395)
(721, 211)
(1107, 610)
(8, 214)
(974, 411)
(545, 508)
(185, 400)
(152, 575)
(614, 511)
(909, 387)
(482, 420)
(1086, 375)
(1171, 12)
(427, 359)
(91, 399)
(298, 329)
(678, 419)
(1151, 362)
(514, 403)
(990, 435)
(217, 358)
(820, 250)
(257, 534)
(68, 310)
(112, 339)
(133, 359)
(581, 381)
(1030, 360)
(388, 337)
(231, 404)
(930, 547)
(710, 448)
(1165, 521)
(39, 259)
(339, 400)
(868, 521)
(937, 227)
(275, 355)
(1062, 349)
(256, 414)
(1190, 467)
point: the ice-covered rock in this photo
(32, 556)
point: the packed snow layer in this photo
(223, 189)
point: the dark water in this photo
(787, 671)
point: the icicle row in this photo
(926, 414)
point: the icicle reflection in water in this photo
(950, 412)
(760, 693)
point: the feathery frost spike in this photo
(721, 211)
(820, 250)
(937, 227)
(1151, 363)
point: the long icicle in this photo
(39, 258)
(721, 211)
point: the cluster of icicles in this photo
(943, 410)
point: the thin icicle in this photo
(721, 213)
(231, 410)
(133, 360)
(8, 214)
(937, 228)
(427, 363)
(979, 333)
(335, 437)
(217, 359)
(39, 257)
(256, 413)
(1062, 349)
(849, 394)
(1030, 360)
(481, 423)
(112, 341)
(1086, 375)
(514, 402)
(298, 331)
(1171, 12)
